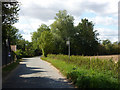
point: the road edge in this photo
(69, 81)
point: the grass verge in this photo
(6, 70)
(83, 77)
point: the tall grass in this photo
(89, 63)
(86, 72)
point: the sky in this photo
(103, 13)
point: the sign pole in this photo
(69, 51)
(69, 48)
(68, 44)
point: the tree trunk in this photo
(43, 52)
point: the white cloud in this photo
(35, 12)
(46, 9)
(106, 20)
(27, 37)
(102, 7)
(26, 26)
(107, 34)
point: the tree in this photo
(36, 35)
(10, 12)
(110, 48)
(115, 48)
(46, 42)
(62, 29)
(12, 34)
(9, 17)
(25, 48)
(106, 42)
(85, 39)
(108, 45)
(21, 44)
(63, 25)
(35, 38)
(29, 51)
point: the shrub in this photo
(92, 79)
(19, 53)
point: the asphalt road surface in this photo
(35, 73)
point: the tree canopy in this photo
(9, 17)
(83, 38)
(46, 42)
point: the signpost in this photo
(68, 43)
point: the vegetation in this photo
(9, 17)
(24, 49)
(108, 48)
(46, 42)
(83, 38)
(6, 70)
(52, 39)
(86, 73)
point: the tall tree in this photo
(62, 29)
(37, 34)
(9, 17)
(12, 34)
(21, 44)
(108, 46)
(46, 42)
(85, 39)
(63, 26)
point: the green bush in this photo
(19, 53)
(92, 79)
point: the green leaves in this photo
(9, 17)
(46, 42)
(36, 35)
(43, 39)
(63, 26)
(10, 12)
(83, 37)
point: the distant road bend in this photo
(35, 73)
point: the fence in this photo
(8, 56)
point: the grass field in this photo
(87, 72)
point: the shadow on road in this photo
(31, 77)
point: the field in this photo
(86, 71)
(107, 57)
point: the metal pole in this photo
(1, 48)
(69, 48)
